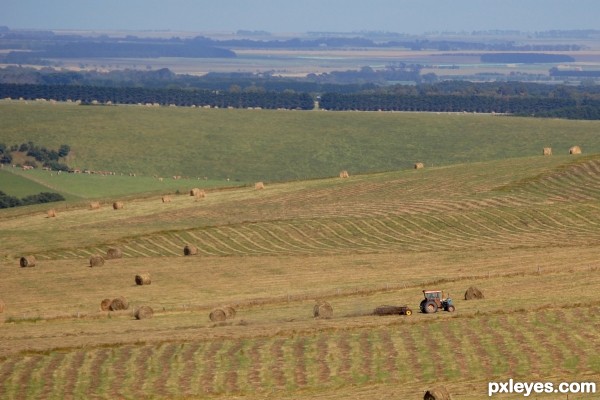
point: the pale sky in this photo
(403, 16)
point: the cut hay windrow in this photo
(245, 249)
(210, 365)
(205, 247)
(347, 359)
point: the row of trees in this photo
(7, 201)
(180, 97)
(511, 98)
(444, 103)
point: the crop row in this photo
(465, 229)
(549, 343)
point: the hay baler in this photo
(434, 300)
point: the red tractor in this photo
(434, 300)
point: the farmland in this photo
(492, 212)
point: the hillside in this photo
(275, 145)
(524, 230)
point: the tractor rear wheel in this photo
(431, 307)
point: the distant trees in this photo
(48, 157)
(257, 97)
(7, 201)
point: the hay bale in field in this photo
(547, 151)
(229, 312)
(344, 174)
(195, 192)
(105, 304)
(387, 310)
(217, 315)
(118, 205)
(474, 293)
(120, 303)
(259, 185)
(322, 310)
(437, 393)
(51, 213)
(96, 260)
(2, 306)
(143, 312)
(113, 252)
(575, 150)
(143, 279)
(95, 205)
(27, 261)
(200, 195)
(419, 165)
(190, 250)
(166, 199)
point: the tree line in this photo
(516, 98)
(179, 97)
(7, 201)
(523, 106)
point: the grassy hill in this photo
(524, 230)
(264, 145)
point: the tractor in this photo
(434, 300)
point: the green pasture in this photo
(94, 186)
(270, 145)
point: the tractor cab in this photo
(434, 300)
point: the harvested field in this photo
(523, 231)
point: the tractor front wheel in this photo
(431, 307)
(450, 309)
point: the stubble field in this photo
(524, 230)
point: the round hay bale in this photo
(105, 304)
(473, 293)
(217, 315)
(118, 205)
(437, 393)
(419, 165)
(575, 150)
(200, 195)
(2, 305)
(195, 192)
(94, 205)
(27, 261)
(166, 199)
(143, 279)
(344, 174)
(229, 312)
(143, 312)
(120, 303)
(259, 186)
(323, 310)
(190, 250)
(547, 151)
(51, 213)
(113, 252)
(96, 260)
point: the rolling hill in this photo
(523, 229)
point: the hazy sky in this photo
(414, 16)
